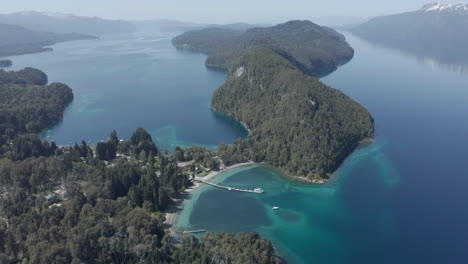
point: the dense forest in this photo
(314, 49)
(296, 123)
(68, 206)
(105, 204)
(28, 104)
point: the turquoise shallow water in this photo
(401, 199)
(306, 228)
(122, 82)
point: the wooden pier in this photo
(193, 232)
(257, 190)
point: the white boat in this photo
(275, 208)
(258, 190)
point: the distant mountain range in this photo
(167, 25)
(31, 31)
(64, 23)
(16, 40)
(436, 30)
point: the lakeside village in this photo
(193, 169)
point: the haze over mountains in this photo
(16, 40)
(436, 30)
(31, 31)
(168, 25)
(64, 23)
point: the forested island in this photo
(295, 122)
(79, 204)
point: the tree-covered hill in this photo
(296, 123)
(28, 104)
(314, 49)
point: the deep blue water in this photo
(422, 114)
(122, 82)
(402, 199)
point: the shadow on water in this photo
(229, 121)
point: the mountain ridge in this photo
(17, 40)
(444, 7)
(66, 23)
(437, 31)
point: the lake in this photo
(123, 82)
(402, 199)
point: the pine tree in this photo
(113, 139)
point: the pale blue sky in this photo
(217, 11)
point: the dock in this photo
(256, 190)
(185, 232)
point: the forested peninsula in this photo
(28, 104)
(78, 204)
(295, 122)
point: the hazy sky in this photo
(217, 11)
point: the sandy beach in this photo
(176, 206)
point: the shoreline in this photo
(332, 176)
(176, 206)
